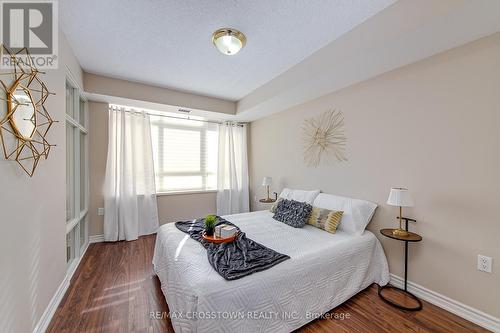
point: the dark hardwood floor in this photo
(115, 290)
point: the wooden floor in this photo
(115, 290)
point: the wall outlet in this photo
(100, 211)
(484, 263)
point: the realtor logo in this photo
(31, 25)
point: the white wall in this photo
(431, 126)
(32, 223)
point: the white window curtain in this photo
(232, 170)
(129, 188)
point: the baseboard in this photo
(47, 315)
(467, 312)
(96, 239)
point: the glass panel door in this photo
(70, 109)
(83, 172)
(82, 114)
(83, 233)
(77, 179)
(70, 247)
(70, 172)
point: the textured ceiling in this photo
(168, 43)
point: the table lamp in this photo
(267, 183)
(400, 197)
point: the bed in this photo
(324, 271)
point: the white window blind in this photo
(185, 154)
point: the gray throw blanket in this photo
(236, 259)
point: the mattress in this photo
(324, 271)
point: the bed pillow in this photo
(325, 219)
(357, 213)
(291, 212)
(299, 195)
(275, 205)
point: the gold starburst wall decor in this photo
(324, 138)
(24, 120)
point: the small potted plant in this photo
(210, 222)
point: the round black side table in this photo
(412, 237)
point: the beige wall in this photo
(33, 224)
(171, 208)
(98, 149)
(431, 126)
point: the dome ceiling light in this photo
(229, 41)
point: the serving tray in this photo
(219, 240)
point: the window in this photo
(77, 183)
(185, 154)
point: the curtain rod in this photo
(181, 118)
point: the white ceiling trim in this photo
(167, 43)
(97, 85)
(404, 33)
(161, 107)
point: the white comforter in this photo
(324, 271)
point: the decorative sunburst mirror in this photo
(24, 120)
(324, 138)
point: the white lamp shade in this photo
(267, 181)
(400, 197)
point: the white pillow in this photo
(299, 195)
(357, 213)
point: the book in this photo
(217, 230)
(227, 231)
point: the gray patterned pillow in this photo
(293, 213)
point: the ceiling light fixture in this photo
(229, 41)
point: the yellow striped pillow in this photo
(325, 219)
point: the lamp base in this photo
(400, 232)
